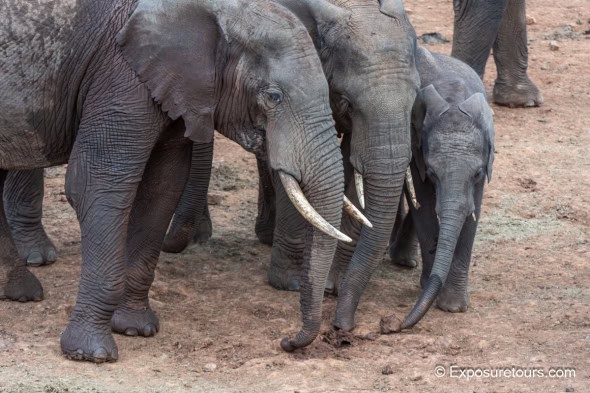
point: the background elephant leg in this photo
(23, 200)
(477, 23)
(454, 296)
(204, 227)
(403, 249)
(193, 202)
(16, 282)
(513, 86)
(156, 199)
(344, 253)
(288, 244)
(265, 220)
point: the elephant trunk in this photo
(323, 186)
(382, 193)
(451, 223)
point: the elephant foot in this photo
(34, 246)
(86, 341)
(452, 301)
(284, 279)
(345, 323)
(178, 238)
(21, 285)
(131, 322)
(519, 94)
(404, 255)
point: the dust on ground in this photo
(221, 322)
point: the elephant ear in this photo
(172, 47)
(392, 8)
(418, 115)
(479, 110)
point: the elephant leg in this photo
(265, 220)
(23, 200)
(454, 295)
(477, 23)
(403, 248)
(112, 148)
(16, 282)
(344, 253)
(192, 203)
(288, 246)
(513, 87)
(154, 204)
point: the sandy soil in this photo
(221, 322)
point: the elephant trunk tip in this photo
(423, 304)
(302, 339)
(287, 345)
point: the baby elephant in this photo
(453, 152)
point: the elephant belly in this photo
(35, 44)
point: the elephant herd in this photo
(344, 112)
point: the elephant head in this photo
(368, 58)
(453, 150)
(249, 70)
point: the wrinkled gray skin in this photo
(118, 84)
(368, 58)
(481, 25)
(453, 153)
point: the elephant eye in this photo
(274, 98)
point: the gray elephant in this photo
(481, 25)
(368, 57)
(115, 86)
(453, 153)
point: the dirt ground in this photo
(221, 322)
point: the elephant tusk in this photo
(360, 191)
(438, 218)
(474, 217)
(356, 213)
(307, 211)
(411, 189)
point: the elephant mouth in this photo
(253, 141)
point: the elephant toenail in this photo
(149, 330)
(35, 259)
(131, 332)
(51, 256)
(100, 355)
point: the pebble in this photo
(387, 370)
(530, 20)
(209, 367)
(553, 45)
(569, 389)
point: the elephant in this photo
(481, 25)
(453, 153)
(368, 57)
(114, 88)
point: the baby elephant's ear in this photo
(172, 46)
(479, 110)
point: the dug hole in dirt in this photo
(221, 322)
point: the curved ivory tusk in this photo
(307, 211)
(360, 191)
(411, 189)
(356, 213)
(474, 217)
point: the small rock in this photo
(570, 389)
(390, 324)
(209, 367)
(415, 378)
(387, 370)
(553, 45)
(530, 20)
(578, 21)
(214, 199)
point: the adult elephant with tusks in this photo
(118, 84)
(367, 51)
